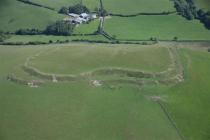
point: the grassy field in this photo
(144, 92)
(136, 6)
(79, 59)
(13, 19)
(13, 16)
(203, 4)
(85, 113)
(133, 28)
(188, 102)
(79, 31)
(87, 28)
(161, 27)
(91, 4)
(77, 110)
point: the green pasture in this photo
(47, 38)
(161, 27)
(79, 110)
(15, 15)
(80, 59)
(89, 28)
(137, 6)
(188, 102)
(203, 4)
(91, 4)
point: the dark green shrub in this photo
(78, 9)
(50, 41)
(64, 10)
(28, 32)
(175, 38)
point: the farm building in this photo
(73, 15)
(77, 21)
(84, 15)
(93, 16)
(82, 18)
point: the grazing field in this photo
(82, 111)
(137, 6)
(161, 27)
(89, 28)
(203, 4)
(91, 4)
(165, 27)
(116, 90)
(78, 110)
(15, 15)
(13, 19)
(188, 102)
(79, 59)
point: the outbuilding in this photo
(73, 15)
(84, 15)
(93, 16)
(77, 21)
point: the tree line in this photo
(188, 9)
(58, 28)
(77, 9)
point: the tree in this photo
(28, 32)
(188, 14)
(64, 10)
(50, 41)
(186, 8)
(201, 13)
(102, 12)
(60, 28)
(207, 21)
(78, 9)
(175, 38)
(204, 17)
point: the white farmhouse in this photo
(73, 15)
(93, 16)
(82, 18)
(84, 15)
